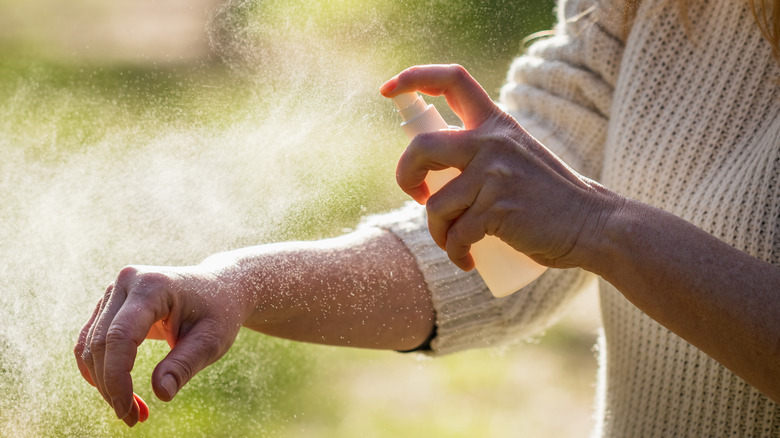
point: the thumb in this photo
(196, 350)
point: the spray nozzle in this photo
(405, 100)
(410, 105)
(418, 116)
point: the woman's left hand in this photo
(511, 186)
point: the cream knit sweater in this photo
(687, 120)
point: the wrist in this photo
(233, 281)
(599, 243)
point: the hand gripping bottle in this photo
(503, 269)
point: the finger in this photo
(92, 349)
(410, 174)
(132, 416)
(461, 257)
(449, 203)
(468, 229)
(139, 411)
(195, 350)
(100, 338)
(78, 350)
(464, 95)
(141, 309)
(430, 152)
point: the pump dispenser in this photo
(503, 269)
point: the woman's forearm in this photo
(718, 298)
(362, 290)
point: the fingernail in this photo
(143, 408)
(169, 384)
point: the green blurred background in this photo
(161, 132)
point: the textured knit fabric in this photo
(683, 118)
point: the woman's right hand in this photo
(510, 186)
(197, 310)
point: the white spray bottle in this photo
(503, 269)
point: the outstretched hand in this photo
(190, 308)
(510, 185)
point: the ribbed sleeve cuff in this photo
(467, 314)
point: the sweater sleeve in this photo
(561, 92)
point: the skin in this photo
(716, 297)
(361, 290)
(364, 289)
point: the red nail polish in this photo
(143, 408)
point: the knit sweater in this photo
(685, 118)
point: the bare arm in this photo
(716, 297)
(362, 290)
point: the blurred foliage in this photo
(481, 35)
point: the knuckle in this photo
(127, 274)
(458, 72)
(434, 206)
(422, 143)
(143, 291)
(132, 276)
(116, 333)
(182, 368)
(85, 355)
(412, 70)
(409, 73)
(149, 286)
(213, 347)
(153, 280)
(78, 349)
(501, 208)
(97, 344)
(499, 170)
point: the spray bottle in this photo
(503, 269)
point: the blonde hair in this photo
(767, 15)
(765, 12)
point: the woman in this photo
(674, 109)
